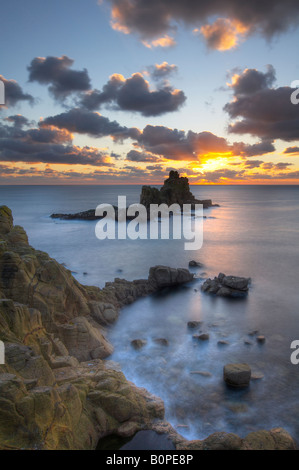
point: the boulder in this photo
(227, 286)
(163, 276)
(237, 375)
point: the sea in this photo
(253, 233)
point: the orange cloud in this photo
(165, 41)
(223, 34)
(116, 21)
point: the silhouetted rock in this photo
(175, 190)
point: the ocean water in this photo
(254, 233)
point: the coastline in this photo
(58, 391)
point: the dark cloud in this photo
(162, 71)
(49, 135)
(90, 123)
(19, 151)
(253, 163)
(251, 81)
(292, 150)
(46, 145)
(253, 150)
(56, 72)
(276, 166)
(158, 17)
(134, 94)
(18, 120)
(14, 93)
(266, 112)
(135, 156)
(173, 144)
(222, 174)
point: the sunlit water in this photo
(254, 233)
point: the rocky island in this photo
(58, 390)
(175, 190)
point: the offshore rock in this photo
(175, 190)
(227, 286)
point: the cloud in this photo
(251, 81)
(253, 163)
(173, 144)
(91, 123)
(46, 145)
(276, 166)
(263, 111)
(135, 156)
(252, 150)
(162, 71)
(14, 93)
(221, 175)
(292, 150)
(223, 34)
(56, 72)
(165, 41)
(134, 94)
(158, 18)
(18, 120)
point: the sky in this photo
(123, 91)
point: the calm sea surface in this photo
(255, 233)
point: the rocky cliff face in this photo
(56, 389)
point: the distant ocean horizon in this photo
(254, 233)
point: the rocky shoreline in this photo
(58, 390)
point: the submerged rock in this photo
(138, 343)
(195, 264)
(193, 324)
(261, 339)
(161, 341)
(227, 286)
